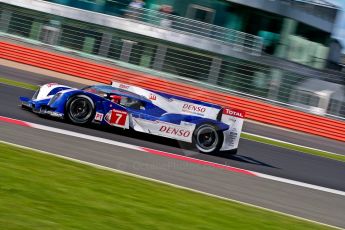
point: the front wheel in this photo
(207, 138)
(80, 109)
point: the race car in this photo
(209, 127)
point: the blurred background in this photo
(285, 52)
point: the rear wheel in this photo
(207, 138)
(80, 109)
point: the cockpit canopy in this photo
(118, 96)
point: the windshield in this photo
(132, 103)
(123, 97)
(108, 89)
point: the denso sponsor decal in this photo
(179, 132)
(234, 112)
(123, 86)
(192, 108)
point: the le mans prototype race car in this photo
(209, 127)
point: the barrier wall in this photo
(255, 110)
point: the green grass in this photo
(18, 84)
(294, 147)
(39, 191)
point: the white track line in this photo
(165, 183)
(285, 142)
(171, 155)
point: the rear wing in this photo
(234, 118)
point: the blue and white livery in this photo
(209, 127)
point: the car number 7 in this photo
(118, 117)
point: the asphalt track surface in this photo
(303, 202)
(252, 155)
(250, 127)
(307, 203)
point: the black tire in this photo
(207, 139)
(80, 109)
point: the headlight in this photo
(54, 98)
(35, 94)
